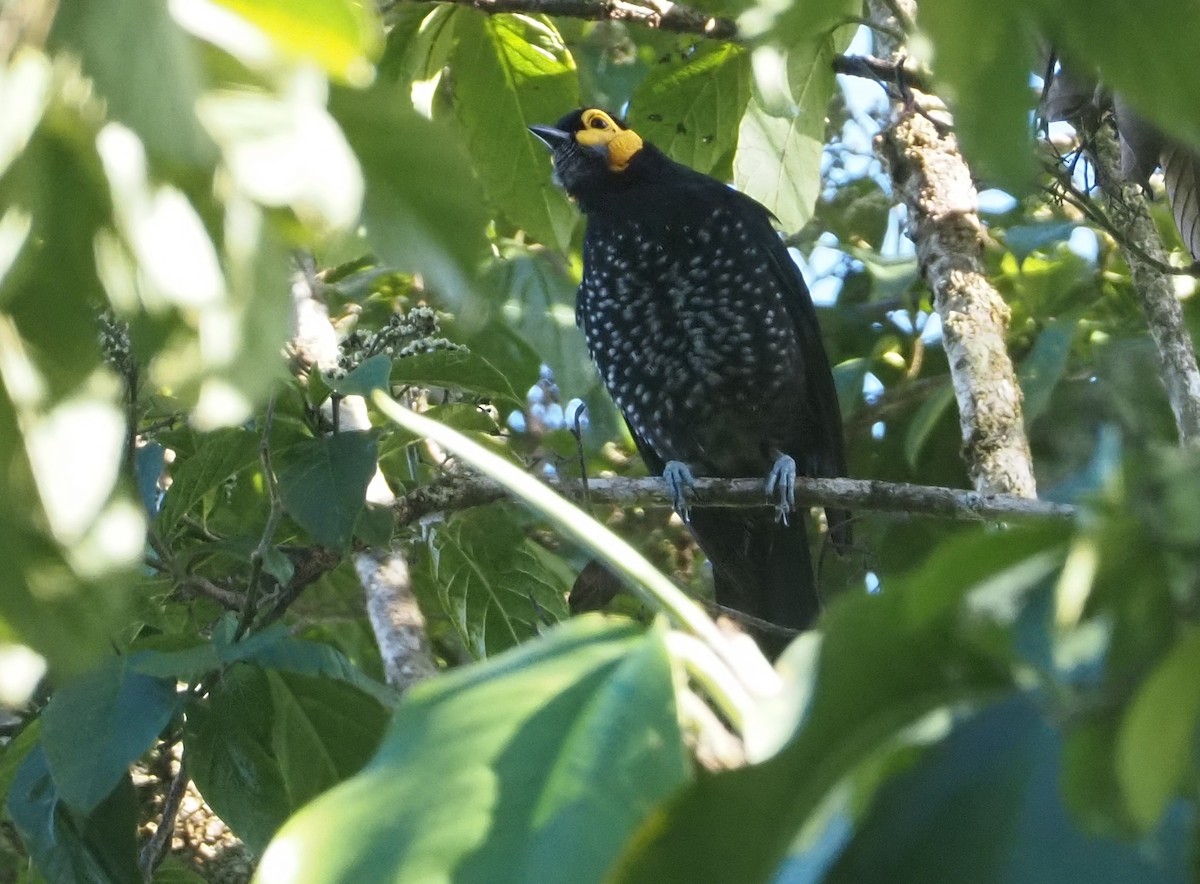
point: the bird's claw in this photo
(783, 477)
(680, 481)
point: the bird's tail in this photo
(761, 568)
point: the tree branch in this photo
(660, 14)
(462, 492)
(934, 181)
(1142, 248)
(892, 75)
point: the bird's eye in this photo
(598, 123)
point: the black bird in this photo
(706, 337)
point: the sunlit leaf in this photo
(515, 71)
(535, 765)
(690, 104)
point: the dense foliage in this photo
(185, 483)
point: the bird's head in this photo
(592, 149)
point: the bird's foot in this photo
(783, 478)
(680, 481)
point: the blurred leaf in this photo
(341, 36)
(456, 369)
(1024, 239)
(436, 230)
(99, 848)
(982, 61)
(928, 416)
(419, 41)
(1156, 748)
(1090, 786)
(848, 377)
(323, 484)
(371, 374)
(1042, 369)
(12, 755)
(538, 762)
(145, 68)
(51, 290)
(885, 661)
(512, 71)
(495, 586)
(782, 136)
(221, 454)
(99, 723)
(690, 104)
(263, 743)
(856, 213)
(984, 806)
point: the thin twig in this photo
(156, 848)
(661, 15)
(259, 556)
(885, 73)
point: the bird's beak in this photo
(551, 137)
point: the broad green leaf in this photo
(146, 70)
(1044, 366)
(1024, 239)
(371, 374)
(419, 41)
(512, 71)
(982, 57)
(99, 723)
(456, 369)
(496, 587)
(885, 661)
(690, 104)
(1156, 747)
(263, 743)
(12, 756)
(856, 213)
(341, 36)
(411, 224)
(221, 454)
(532, 767)
(323, 484)
(51, 289)
(780, 140)
(984, 806)
(928, 416)
(99, 848)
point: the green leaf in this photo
(984, 805)
(982, 61)
(1044, 366)
(458, 370)
(512, 71)
(371, 374)
(52, 287)
(323, 484)
(437, 231)
(495, 586)
(341, 36)
(99, 848)
(885, 661)
(1156, 747)
(146, 70)
(99, 723)
(12, 756)
(221, 454)
(264, 743)
(532, 767)
(419, 41)
(778, 159)
(924, 421)
(690, 104)
(1024, 239)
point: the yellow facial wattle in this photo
(599, 129)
